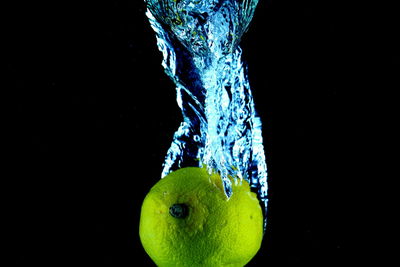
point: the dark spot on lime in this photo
(179, 211)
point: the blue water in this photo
(199, 40)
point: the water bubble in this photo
(196, 138)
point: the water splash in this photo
(199, 41)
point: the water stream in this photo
(199, 40)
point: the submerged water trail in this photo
(220, 128)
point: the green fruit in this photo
(187, 220)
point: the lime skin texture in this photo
(187, 220)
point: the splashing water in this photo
(220, 129)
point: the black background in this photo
(93, 114)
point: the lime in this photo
(187, 220)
